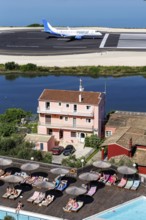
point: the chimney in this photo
(130, 147)
(80, 98)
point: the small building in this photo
(41, 142)
(71, 115)
(127, 137)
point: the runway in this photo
(37, 43)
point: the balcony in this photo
(66, 113)
(72, 127)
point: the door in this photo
(82, 137)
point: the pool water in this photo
(23, 215)
(133, 210)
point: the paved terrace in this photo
(105, 197)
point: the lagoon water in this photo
(106, 13)
(125, 93)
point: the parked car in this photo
(69, 149)
(57, 150)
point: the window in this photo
(50, 131)
(67, 105)
(108, 133)
(41, 146)
(88, 120)
(48, 105)
(88, 107)
(66, 118)
(59, 103)
(73, 134)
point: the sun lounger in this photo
(62, 185)
(33, 197)
(122, 183)
(128, 184)
(92, 191)
(135, 185)
(40, 198)
(6, 195)
(112, 180)
(104, 178)
(80, 204)
(15, 196)
(73, 208)
(48, 200)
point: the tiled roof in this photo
(127, 119)
(140, 157)
(68, 96)
(122, 137)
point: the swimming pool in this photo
(132, 210)
(24, 215)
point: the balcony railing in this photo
(68, 126)
(63, 112)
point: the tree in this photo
(92, 141)
(11, 66)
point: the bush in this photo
(29, 67)
(11, 66)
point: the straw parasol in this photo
(75, 191)
(59, 171)
(29, 166)
(5, 162)
(12, 179)
(102, 164)
(127, 170)
(88, 176)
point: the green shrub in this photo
(29, 67)
(11, 66)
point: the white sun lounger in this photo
(135, 185)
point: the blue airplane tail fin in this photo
(47, 26)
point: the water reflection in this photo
(125, 93)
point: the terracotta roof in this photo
(127, 119)
(92, 98)
(140, 157)
(122, 137)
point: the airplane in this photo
(72, 34)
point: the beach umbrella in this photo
(12, 179)
(59, 171)
(102, 164)
(88, 176)
(45, 185)
(5, 162)
(75, 191)
(29, 166)
(127, 170)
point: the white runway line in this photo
(104, 41)
(20, 46)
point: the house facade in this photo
(71, 115)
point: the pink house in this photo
(71, 115)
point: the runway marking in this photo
(21, 46)
(30, 38)
(64, 39)
(68, 47)
(104, 41)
